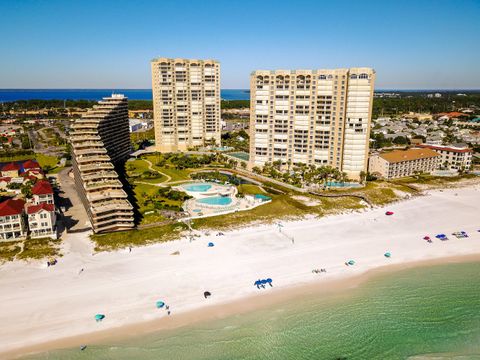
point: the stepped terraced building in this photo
(100, 140)
(186, 103)
(319, 117)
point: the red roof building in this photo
(42, 187)
(31, 164)
(32, 209)
(11, 167)
(12, 207)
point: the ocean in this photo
(420, 313)
(97, 94)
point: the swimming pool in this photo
(198, 187)
(216, 200)
(342, 184)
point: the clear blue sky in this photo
(109, 43)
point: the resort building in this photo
(453, 157)
(186, 103)
(319, 117)
(100, 141)
(42, 220)
(400, 163)
(12, 224)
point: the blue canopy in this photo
(210, 244)
(269, 280)
(160, 304)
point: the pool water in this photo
(198, 187)
(342, 184)
(216, 200)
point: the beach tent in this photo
(210, 244)
(99, 317)
(389, 213)
(159, 304)
(387, 254)
(351, 262)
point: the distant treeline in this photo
(416, 102)
(27, 105)
(408, 101)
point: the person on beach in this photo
(81, 270)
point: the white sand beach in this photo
(40, 304)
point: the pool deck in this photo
(197, 210)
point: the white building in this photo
(42, 220)
(12, 224)
(319, 117)
(454, 157)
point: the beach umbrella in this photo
(440, 236)
(263, 282)
(160, 304)
(426, 238)
(99, 317)
(351, 262)
(269, 280)
(207, 294)
(210, 244)
(389, 213)
(258, 282)
(387, 254)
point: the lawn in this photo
(124, 239)
(43, 160)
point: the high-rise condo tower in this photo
(186, 103)
(100, 141)
(319, 117)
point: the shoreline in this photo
(339, 287)
(53, 308)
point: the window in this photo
(363, 76)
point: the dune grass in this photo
(142, 237)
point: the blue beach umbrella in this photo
(263, 282)
(351, 262)
(160, 304)
(387, 254)
(440, 236)
(269, 280)
(210, 244)
(99, 317)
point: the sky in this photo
(109, 43)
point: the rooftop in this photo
(42, 188)
(408, 155)
(11, 207)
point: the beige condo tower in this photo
(319, 117)
(186, 103)
(100, 140)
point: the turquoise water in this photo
(216, 200)
(262, 197)
(240, 155)
(198, 187)
(340, 184)
(428, 312)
